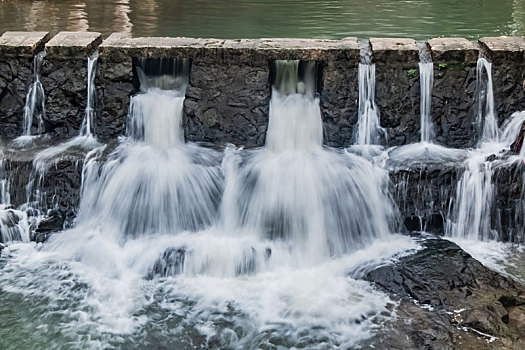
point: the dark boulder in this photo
(458, 292)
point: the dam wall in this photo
(229, 90)
(228, 98)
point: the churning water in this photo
(181, 246)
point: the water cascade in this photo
(242, 248)
(153, 183)
(14, 224)
(86, 129)
(369, 130)
(487, 120)
(471, 212)
(426, 81)
(470, 215)
(35, 103)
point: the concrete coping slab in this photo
(122, 40)
(394, 50)
(73, 44)
(504, 49)
(22, 43)
(230, 49)
(453, 49)
(504, 43)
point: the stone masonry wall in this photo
(397, 88)
(229, 92)
(454, 94)
(17, 50)
(228, 96)
(64, 78)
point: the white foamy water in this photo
(181, 246)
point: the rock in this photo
(170, 264)
(40, 237)
(53, 222)
(448, 280)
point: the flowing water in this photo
(86, 129)
(487, 119)
(34, 107)
(369, 130)
(426, 79)
(181, 246)
(471, 212)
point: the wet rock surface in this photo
(423, 195)
(59, 188)
(508, 214)
(397, 88)
(454, 110)
(461, 298)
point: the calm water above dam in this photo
(420, 19)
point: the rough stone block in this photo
(389, 50)
(73, 44)
(22, 44)
(453, 49)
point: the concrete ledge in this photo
(22, 44)
(502, 50)
(73, 44)
(387, 50)
(453, 49)
(246, 50)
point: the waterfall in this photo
(14, 224)
(35, 103)
(470, 215)
(239, 247)
(369, 130)
(426, 80)
(153, 183)
(474, 195)
(487, 119)
(86, 129)
(295, 191)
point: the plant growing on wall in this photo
(412, 73)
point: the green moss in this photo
(412, 73)
(442, 66)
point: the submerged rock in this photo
(457, 294)
(170, 264)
